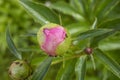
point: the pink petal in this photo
(53, 37)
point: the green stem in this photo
(68, 58)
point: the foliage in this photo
(91, 23)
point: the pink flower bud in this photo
(53, 39)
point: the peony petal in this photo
(53, 37)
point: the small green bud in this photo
(19, 70)
(53, 39)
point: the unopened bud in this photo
(19, 70)
(88, 51)
(53, 39)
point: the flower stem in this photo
(65, 59)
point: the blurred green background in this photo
(22, 27)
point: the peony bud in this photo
(88, 51)
(53, 39)
(19, 70)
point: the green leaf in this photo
(105, 7)
(66, 9)
(80, 67)
(84, 7)
(115, 12)
(92, 33)
(94, 24)
(111, 24)
(110, 45)
(11, 45)
(110, 64)
(94, 41)
(77, 4)
(77, 28)
(65, 73)
(42, 69)
(39, 12)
